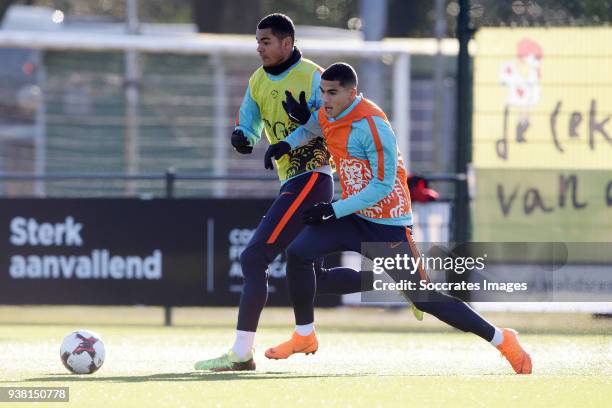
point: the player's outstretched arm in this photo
(305, 133)
(299, 137)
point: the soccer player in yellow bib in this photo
(304, 173)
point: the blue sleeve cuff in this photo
(339, 212)
(293, 139)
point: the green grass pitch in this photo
(367, 358)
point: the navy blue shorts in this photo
(283, 221)
(348, 234)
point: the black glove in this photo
(277, 151)
(298, 112)
(319, 213)
(241, 143)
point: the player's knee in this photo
(253, 263)
(297, 254)
(247, 256)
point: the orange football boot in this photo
(512, 350)
(297, 344)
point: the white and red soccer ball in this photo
(82, 352)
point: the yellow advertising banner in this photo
(543, 98)
(542, 134)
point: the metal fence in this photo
(79, 118)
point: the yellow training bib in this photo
(269, 95)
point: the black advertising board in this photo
(173, 252)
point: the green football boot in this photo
(418, 314)
(227, 362)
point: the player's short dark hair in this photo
(341, 72)
(280, 25)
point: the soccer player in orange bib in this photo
(375, 207)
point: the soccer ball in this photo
(82, 352)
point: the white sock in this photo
(305, 329)
(243, 344)
(498, 337)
